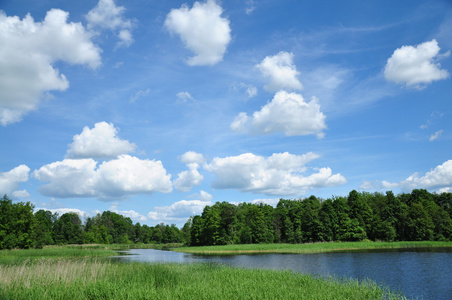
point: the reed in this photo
(101, 278)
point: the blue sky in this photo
(154, 109)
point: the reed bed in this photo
(88, 278)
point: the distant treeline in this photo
(416, 216)
(21, 228)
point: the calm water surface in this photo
(416, 273)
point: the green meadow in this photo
(89, 273)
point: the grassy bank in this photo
(100, 278)
(308, 248)
(17, 256)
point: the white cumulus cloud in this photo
(106, 15)
(192, 157)
(11, 180)
(99, 142)
(117, 178)
(287, 113)
(280, 70)
(439, 177)
(187, 179)
(279, 174)
(68, 178)
(28, 52)
(415, 65)
(202, 30)
(179, 211)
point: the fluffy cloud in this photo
(68, 178)
(202, 30)
(192, 157)
(131, 175)
(281, 72)
(187, 179)
(440, 178)
(29, 50)
(106, 15)
(287, 113)
(117, 178)
(205, 196)
(179, 211)
(99, 142)
(279, 174)
(416, 65)
(10, 181)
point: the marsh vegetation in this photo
(98, 277)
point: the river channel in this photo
(418, 273)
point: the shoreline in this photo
(309, 248)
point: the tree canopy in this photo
(416, 216)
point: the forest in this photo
(416, 216)
(21, 227)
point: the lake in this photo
(417, 273)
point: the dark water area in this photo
(416, 273)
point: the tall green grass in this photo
(17, 256)
(100, 278)
(308, 248)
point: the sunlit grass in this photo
(100, 278)
(309, 248)
(18, 256)
(67, 251)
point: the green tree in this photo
(196, 232)
(419, 225)
(43, 228)
(16, 222)
(328, 219)
(212, 226)
(360, 211)
(68, 229)
(120, 230)
(310, 220)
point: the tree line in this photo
(416, 216)
(21, 227)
